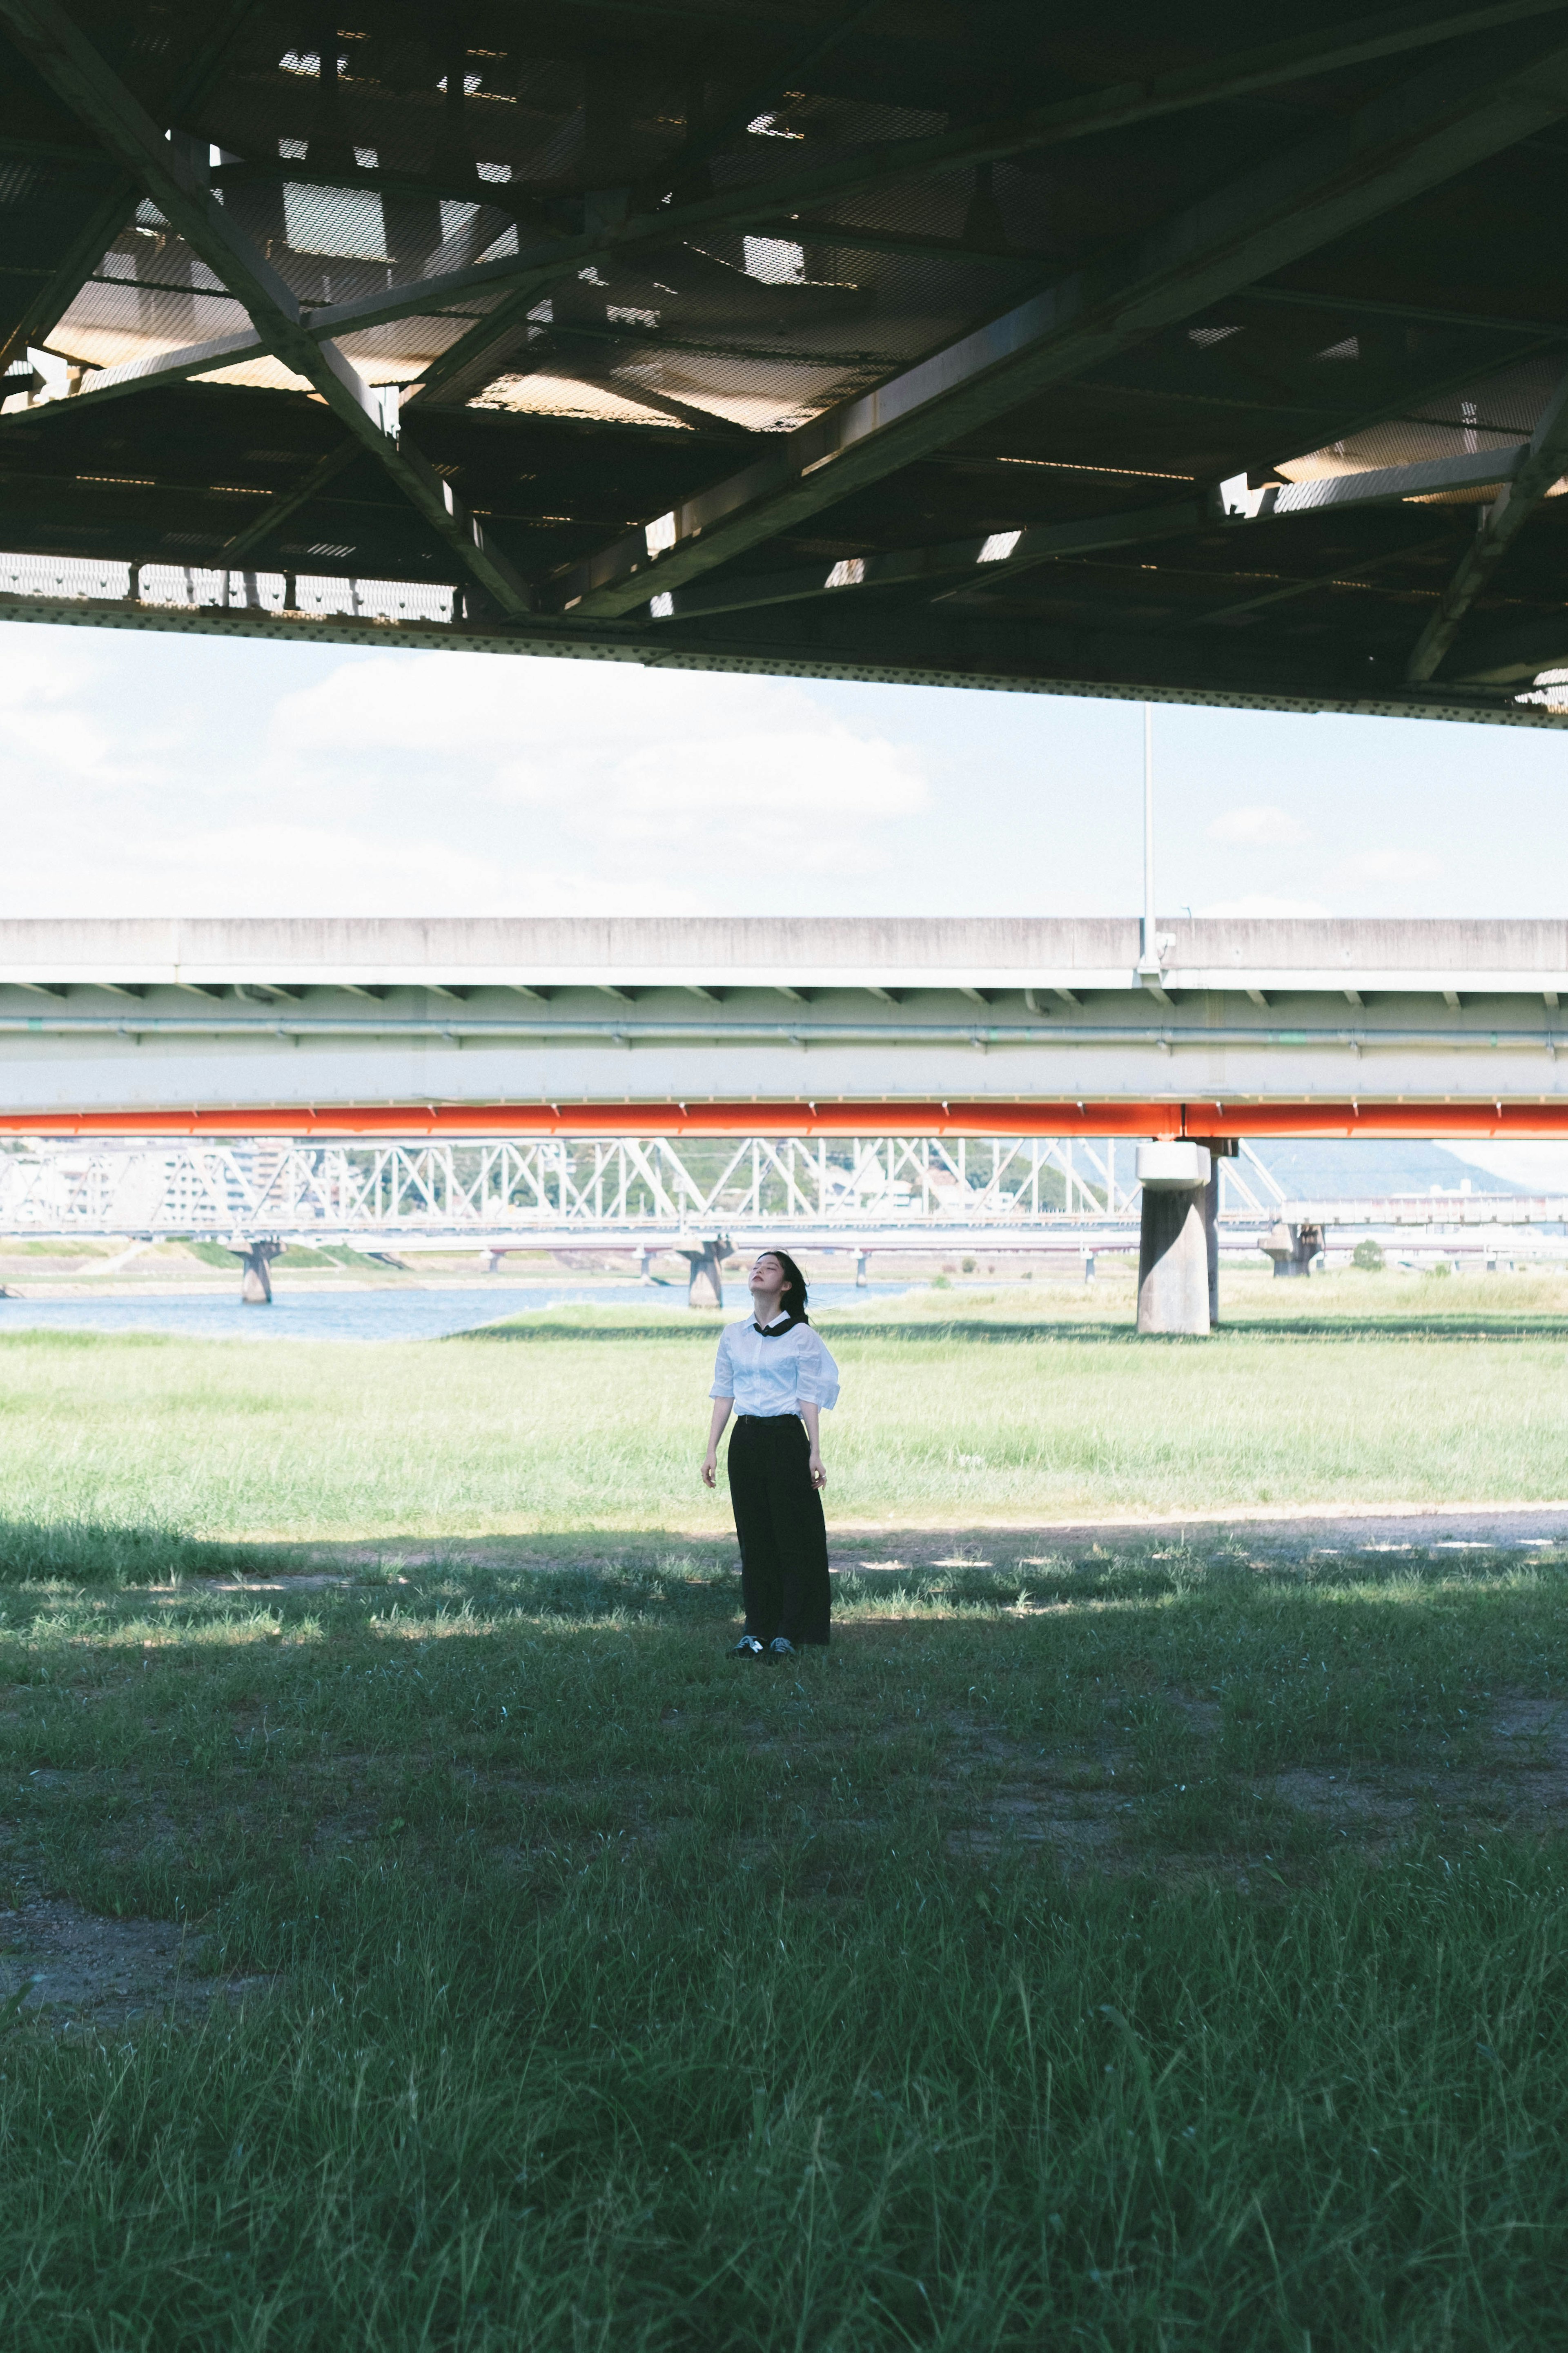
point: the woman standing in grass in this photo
(773, 1370)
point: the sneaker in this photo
(748, 1647)
(781, 1649)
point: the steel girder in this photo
(1538, 468)
(1413, 138)
(520, 280)
(984, 651)
(999, 556)
(1159, 1118)
(173, 171)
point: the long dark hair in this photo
(794, 1285)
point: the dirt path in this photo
(84, 1968)
(1279, 1528)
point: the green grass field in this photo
(436, 1941)
(958, 1411)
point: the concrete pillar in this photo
(1088, 1272)
(862, 1260)
(255, 1280)
(705, 1287)
(1218, 1148)
(1173, 1278)
(644, 1264)
(1173, 1262)
(1309, 1241)
(1292, 1247)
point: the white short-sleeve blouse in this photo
(773, 1372)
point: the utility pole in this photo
(1149, 941)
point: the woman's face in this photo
(767, 1278)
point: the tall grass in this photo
(622, 1996)
(642, 2106)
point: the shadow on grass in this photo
(88, 1552)
(1018, 1333)
(528, 1329)
(1405, 1327)
(840, 1327)
(587, 1574)
(1160, 1571)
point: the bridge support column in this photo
(1174, 1262)
(862, 1260)
(706, 1285)
(256, 1279)
(1293, 1247)
(1220, 1147)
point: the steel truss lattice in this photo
(626, 1189)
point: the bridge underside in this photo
(699, 1027)
(1432, 1116)
(1096, 356)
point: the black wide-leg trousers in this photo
(784, 1537)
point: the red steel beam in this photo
(1413, 1116)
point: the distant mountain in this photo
(1334, 1170)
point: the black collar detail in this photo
(774, 1331)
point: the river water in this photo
(377, 1315)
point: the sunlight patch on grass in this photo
(132, 1466)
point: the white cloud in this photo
(1259, 827)
(1370, 866)
(411, 783)
(332, 870)
(807, 798)
(1259, 903)
(48, 692)
(630, 763)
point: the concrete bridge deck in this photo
(785, 955)
(964, 1025)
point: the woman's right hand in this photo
(710, 1470)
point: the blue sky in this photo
(201, 775)
(154, 774)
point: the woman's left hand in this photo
(818, 1475)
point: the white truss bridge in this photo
(648, 1197)
(870, 1193)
